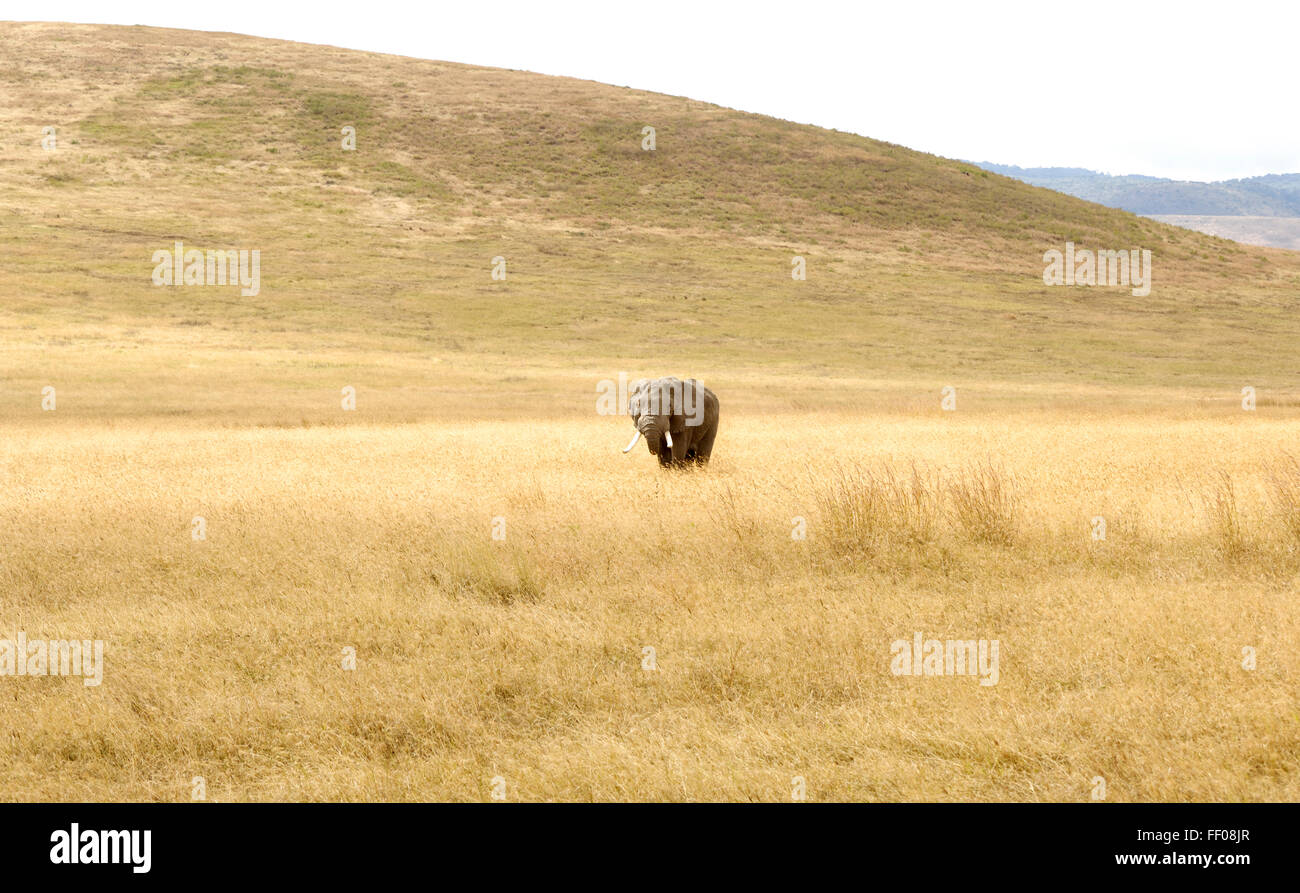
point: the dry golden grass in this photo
(523, 658)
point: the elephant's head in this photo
(659, 407)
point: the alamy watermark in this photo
(193, 267)
(643, 396)
(53, 657)
(951, 657)
(91, 847)
(1086, 267)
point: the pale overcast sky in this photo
(1179, 90)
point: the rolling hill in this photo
(376, 263)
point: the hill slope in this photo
(376, 263)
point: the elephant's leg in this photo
(704, 448)
(681, 443)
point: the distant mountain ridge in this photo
(1270, 195)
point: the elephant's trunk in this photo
(653, 428)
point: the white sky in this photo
(1179, 90)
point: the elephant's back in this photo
(711, 402)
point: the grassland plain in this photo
(524, 657)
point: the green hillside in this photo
(376, 264)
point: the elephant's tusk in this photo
(632, 442)
(668, 436)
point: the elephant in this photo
(679, 419)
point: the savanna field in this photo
(523, 603)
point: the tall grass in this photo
(524, 657)
(1283, 479)
(875, 509)
(1224, 516)
(984, 503)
